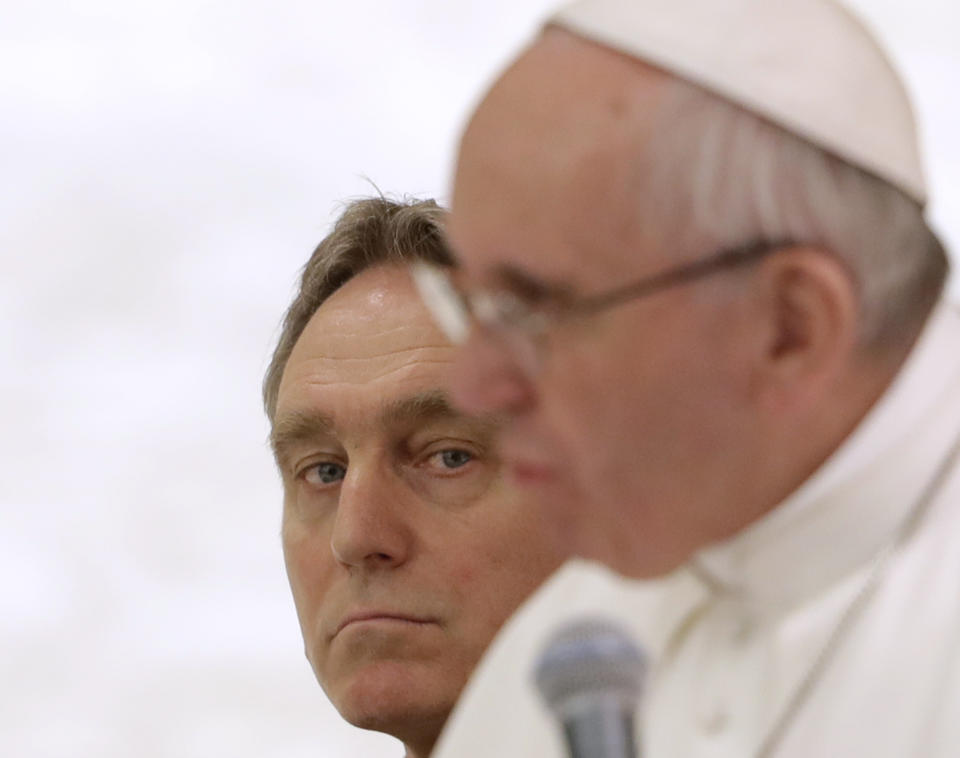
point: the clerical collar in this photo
(854, 503)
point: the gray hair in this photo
(368, 233)
(718, 175)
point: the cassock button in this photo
(742, 630)
(714, 722)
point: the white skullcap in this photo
(809, 66)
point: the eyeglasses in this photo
(521, 324)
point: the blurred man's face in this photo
(621, 428)
(405, 546)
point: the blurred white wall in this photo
(166, 169)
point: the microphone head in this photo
(587, 662)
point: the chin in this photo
(390, 698)
(622, 550)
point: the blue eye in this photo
(455, 458)
(325, 473)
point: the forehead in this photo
(551, 161)
(372, 341)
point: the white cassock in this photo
(737, 633)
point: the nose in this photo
(487, 378)
(371, 529)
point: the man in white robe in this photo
(697, 280)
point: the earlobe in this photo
(812, 307)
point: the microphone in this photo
(590, 675)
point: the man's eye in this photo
(455, 458)
(325, 473)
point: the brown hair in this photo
(369, 232)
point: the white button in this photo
(742, 630)
(714, 722)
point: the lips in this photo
(526, 461)
(529, 472)
(527, 468)
(360, 617)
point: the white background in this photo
(165, 169)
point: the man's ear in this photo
(809, 303)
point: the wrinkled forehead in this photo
(376, 313)
(372, 339)
(550, 163)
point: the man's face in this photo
(622, 429)
(405, 547)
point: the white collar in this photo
(855, 502)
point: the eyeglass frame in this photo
(456, 311)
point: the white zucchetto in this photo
(809, 66)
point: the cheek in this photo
(582, 404)
(309, 563)
(466, 573)
(606, 401)
(639, 406)
(496, 575)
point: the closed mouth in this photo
(530, 471)
(384, 616)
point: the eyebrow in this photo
(422, 405)
(297, 426)
(293, 427)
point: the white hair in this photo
(717, 176)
